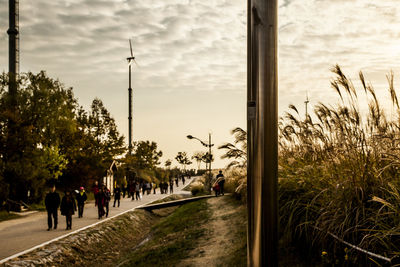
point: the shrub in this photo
(197, 189)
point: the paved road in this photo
(24, 233)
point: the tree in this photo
(46, 138)
(94, 146)
(31, 148)
(183, 159)
(198, 156)
(145, 156)
(168, 163)
(236, 151)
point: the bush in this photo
(197, 189)
(236, 183)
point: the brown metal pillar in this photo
(13, 48)
(262, 128)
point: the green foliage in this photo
(47, 138)
(32, 133)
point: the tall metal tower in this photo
(130, 60)
(306, 103)
(13, 61)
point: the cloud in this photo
(192, 48)
(316, 34)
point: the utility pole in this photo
(262, 133)
(13, 48)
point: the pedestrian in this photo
(132, 188)
(216, 189)
(81, 197)
(137, 191)
(171, 187)
(183, 179)
(154, 188)
(143, 187)
(52, 202)
(107, 199)
(221, 182)
(95, 190)
(117, 195)
(176, 181)
(68, 208)
(100, 200)
(148, 188)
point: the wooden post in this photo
(262, 128)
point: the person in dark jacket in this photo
(81, 197)
(221, 182)
(117, 195)
(68, 208)
(95, 191)
(52, 202)
(100, 200)
(107, 199)
(171, 187)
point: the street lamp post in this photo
(209, 145)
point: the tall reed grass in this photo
(339, 171)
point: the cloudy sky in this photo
(192, 57)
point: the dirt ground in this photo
(225, 241)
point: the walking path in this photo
(21, 234)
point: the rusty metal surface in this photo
(262, 128)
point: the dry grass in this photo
(339, 172)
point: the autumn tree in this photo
(183, 159)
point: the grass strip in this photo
(173, 237)
(4, 216)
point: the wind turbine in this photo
(130, 60)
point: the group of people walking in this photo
(67, 207)
(69, 204)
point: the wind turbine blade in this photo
(130, 45)
(136, 63)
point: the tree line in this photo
(47, 137)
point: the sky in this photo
(191, 77)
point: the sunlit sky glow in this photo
(192, 57)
